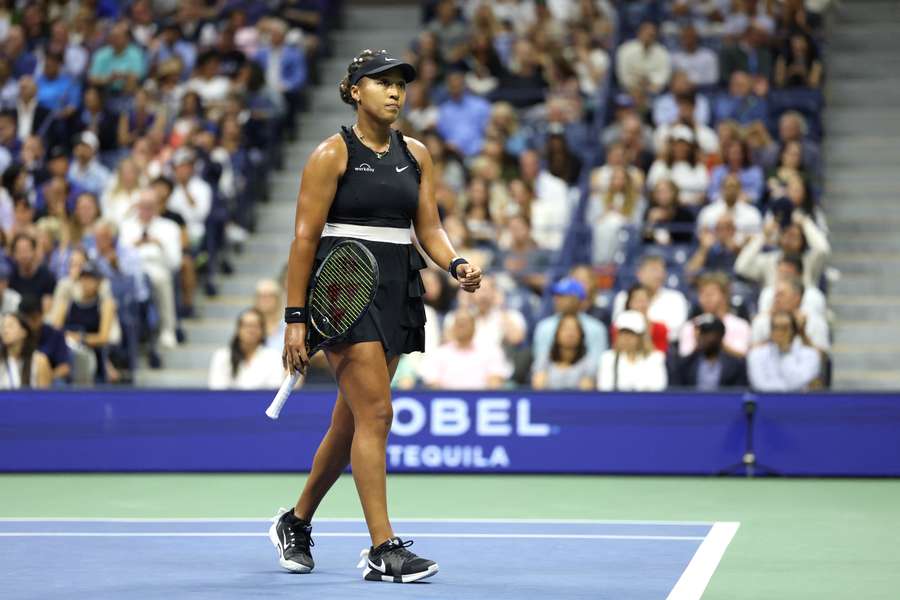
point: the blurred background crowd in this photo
(640, 180)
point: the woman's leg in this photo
(332, 456)
(363, 377)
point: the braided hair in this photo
(361, 58)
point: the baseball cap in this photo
(631, 320)
(88, 138)
(381, 63)
(682, 133)
(569, 286)
(708, 322)
(182, 156)
(57, 152)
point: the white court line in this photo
(696, 576)
(536, 536)
(343, 520)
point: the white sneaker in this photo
(168, 340)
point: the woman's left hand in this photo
(469, 277)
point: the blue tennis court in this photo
(233, 558)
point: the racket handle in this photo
(283, 392)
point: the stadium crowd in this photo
(135, 140)
(640, 179)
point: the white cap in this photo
(682, 133)
(631, 320)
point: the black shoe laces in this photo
(399, 547)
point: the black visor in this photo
(382, 63)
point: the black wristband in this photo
(455, 265)
(295, 314)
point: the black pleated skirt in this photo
(397, 316)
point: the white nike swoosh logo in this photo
(399, 170)
(377, 567)
(297, 312)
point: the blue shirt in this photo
(58, 93)
(743, 110)
(106, 62)
(52, 342)
(462, 123)
(752, 181)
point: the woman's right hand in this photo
(294, 357)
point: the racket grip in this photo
(283, 392)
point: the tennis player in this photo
(372, 184)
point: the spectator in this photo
(207, 81)
(710, 366)
(23, 365)
(792, 127)
(247, 363)
(785, 363)
(737, 162)
(569, 366)
(460, 363)
(798, 63)
(717, 249)
(495, 323)
(15, 50)
(119, 199)
(701, 64)
(632, 365)
(50, 340)
(552, 207)
(141, 118)
(158, 242)
(731, 201)
(713, 293)
(89, 319)
(643, 63)
(29, 275)
(31, 117)
(86, 171)
(9, 299)
(285, 69)
(451, 32)
(666, 305)
(681, 162)
(422, 112)
(9, 86)
(656, 332)
(788, 298)
(790, 164)
(742, 103)
(615, 158)
(119, 65)
(748, 54)
(75, 55)
(568, 299)
(666, 221)
(57, 90)
(665, 106)
(463, 117)
(796, 198)
(521, 257)
(685, 109)
(791, 267)
(800, 237)
(269, 303)
(97, 118)
(191, 197)
(621, 205)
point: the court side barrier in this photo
(450, 431)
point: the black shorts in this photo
(397, 316)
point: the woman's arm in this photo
(430, 233)
(43, 375)
(324, 168)
(814, 79)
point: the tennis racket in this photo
(340, 293)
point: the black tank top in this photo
(379, 192)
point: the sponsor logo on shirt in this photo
(365, 167)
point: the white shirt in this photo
(816, 330)
(701, 66)
(747, 220)
(707, 138)
(454, 368)
(194, 214)
(771, 371)
(692, 180)
(263, 370)
(9, 300)
(25, 113)
(213, 90)
(667, 306)
(119, 205)
(167, 253)
(550, 211)
(645, 374)
(634, 63)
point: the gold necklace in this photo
(362, 138)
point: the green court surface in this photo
(797, 539)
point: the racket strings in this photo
(342, 292)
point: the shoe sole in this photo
(372, 575)
(293, 567)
